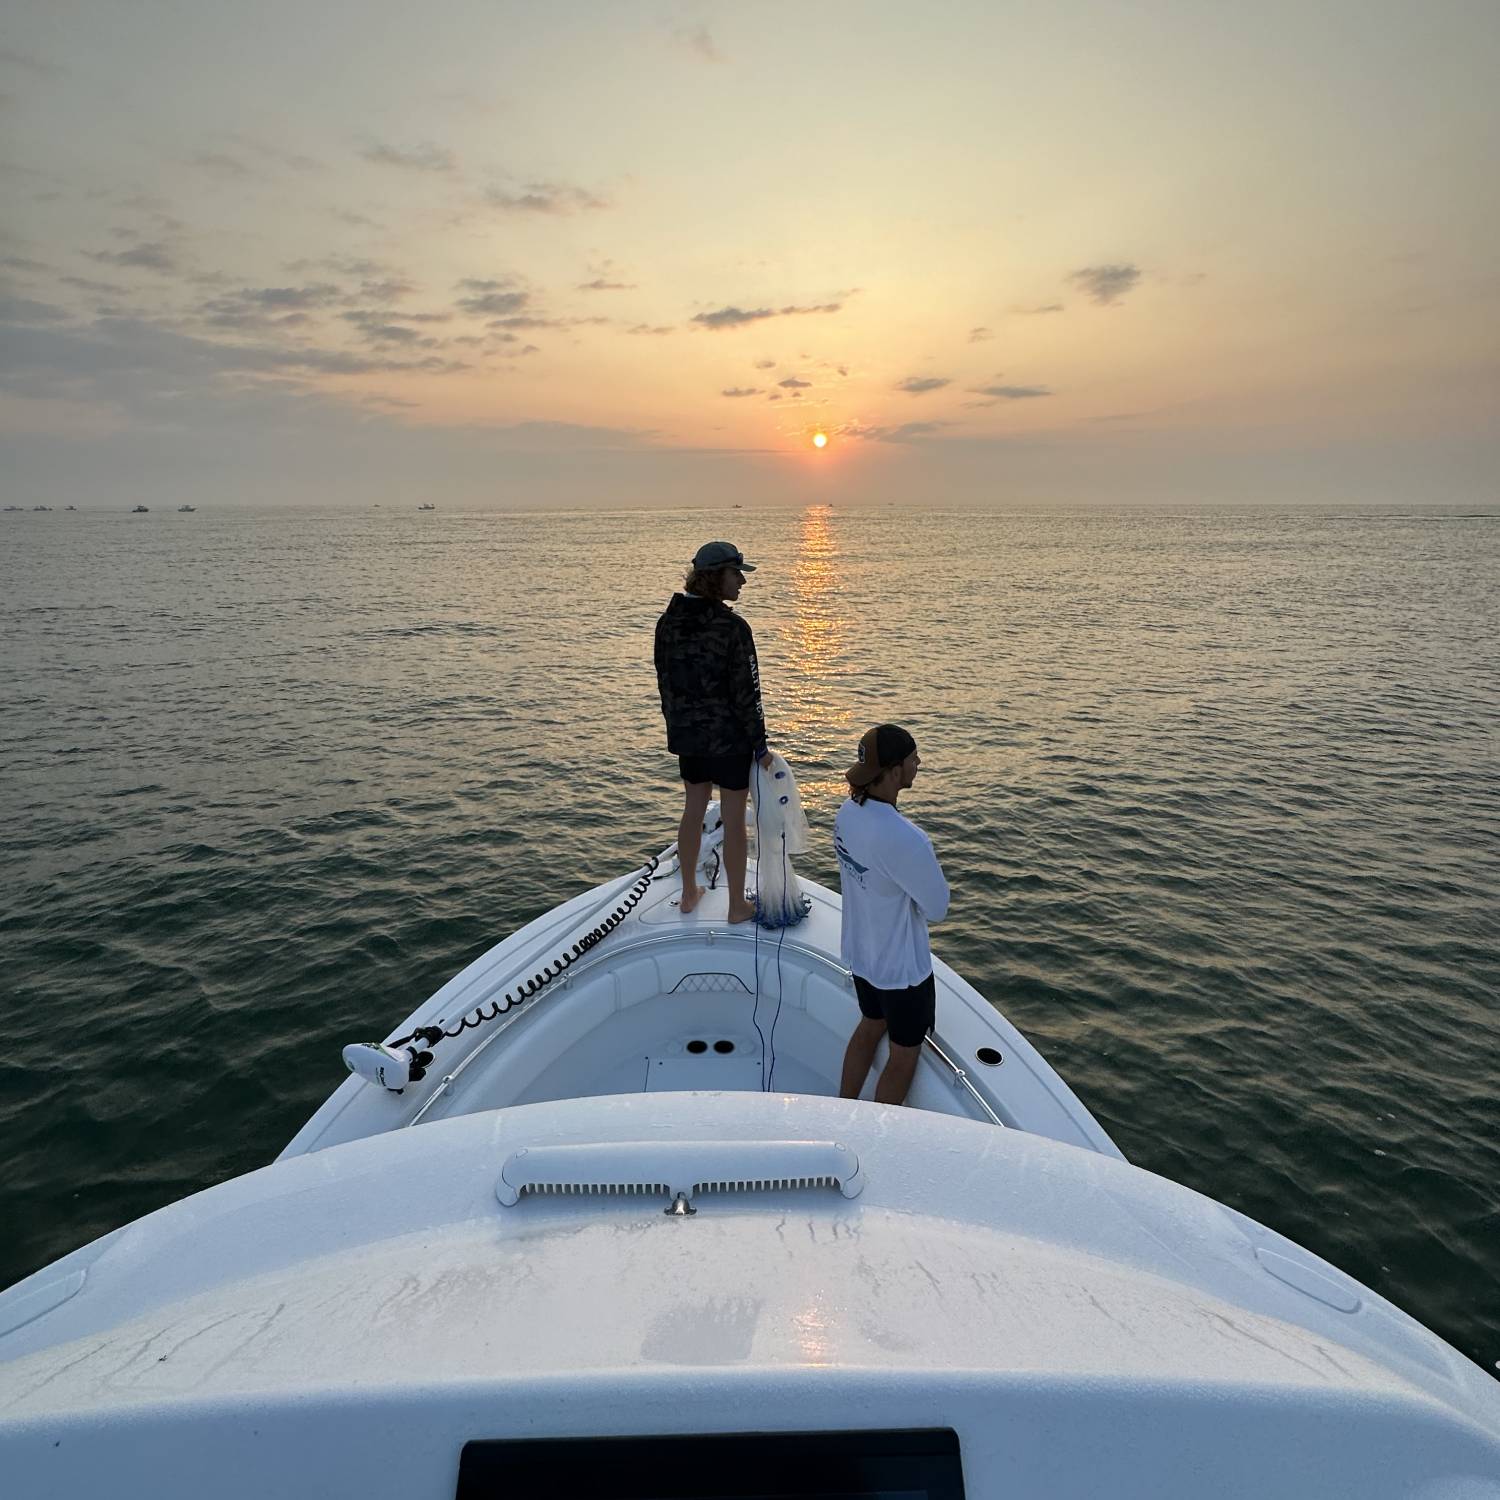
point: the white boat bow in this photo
(618, 1238)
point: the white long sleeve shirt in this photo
(892, 888)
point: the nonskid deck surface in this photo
(696, 1024)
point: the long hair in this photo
(706, 583)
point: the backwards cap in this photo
(882, 747)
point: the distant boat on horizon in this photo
(188, 508)
(41, 507)
(427, 505)
(70, 507)
(140, 510)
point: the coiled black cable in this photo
(432, 1035)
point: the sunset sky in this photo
(625, 254)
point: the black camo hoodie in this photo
(709, 679)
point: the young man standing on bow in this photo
(892, 888)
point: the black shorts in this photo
(908, 1014)
(730, 773)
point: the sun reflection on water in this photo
(810, 715)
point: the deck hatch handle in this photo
(673, 1168)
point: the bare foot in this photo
(691, 896)
(741, 910)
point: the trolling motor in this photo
(391, 1067)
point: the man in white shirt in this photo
(892, 888)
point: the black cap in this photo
(712, 555)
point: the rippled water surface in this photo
(1218, 793)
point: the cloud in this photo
(741, 390)
(97, 288)
(424, 158)
(765, 364)
(137, 365)
(257, 307)
(390, 289)
(376, 332)
(907, 432)
(599, 284)
(345, 265)
(319, 295)
(647, 328)
(1012, 392)
(732, 317)
(1106, 284)
(791, 383)
(492, 303)
(544, 198)
(24, 310)
(919, 385)
(1051, 307)
(979, 335)
(736, 317)
(151, 255)
(220, 164)
(527, 320)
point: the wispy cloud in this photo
(979, 335)
(257, 308)
(919, 385)
(599, 284)
(24, 310)
(742, 390)
(220, 164)
(374, 329)
(907, 432)
(1012, 392)
(1031, 312)
(388, 289)
(791, 383)
(1106, 284)
(491, 298)
(655, 331)
(544, 198)
(136, 363)
(273, 153)
(425, 157)
(151, 255)
(737, 317)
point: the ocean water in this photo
(1218, 794)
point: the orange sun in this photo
(820, 440)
